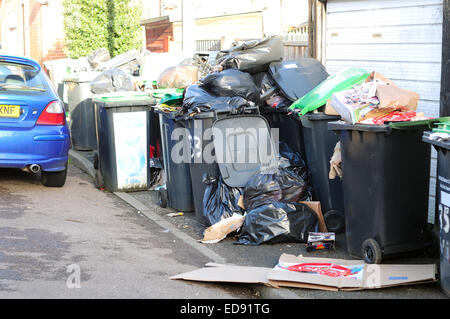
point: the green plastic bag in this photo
(340, 81)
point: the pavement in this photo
(187, 229)
(77, 242)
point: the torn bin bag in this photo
(231, 83)
(219, 200)
(278, 222)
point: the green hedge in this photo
(93, 24)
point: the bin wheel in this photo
(335, 221)
(162, 198)
(371, 251)
(96, 160)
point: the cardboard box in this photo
(316, 207)
(329, 110)
(340, 274)
(350, 274)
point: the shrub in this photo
(93, 24)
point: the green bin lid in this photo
(418, 125)
(159, 93)
(125, 98)
(442, 127)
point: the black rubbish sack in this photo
(264, 82)
(197, 100)
(112, 80)
(231, 83)
(275, 185)
(261, 189)
(278, 222)
(294, 158)
(293, 187)
(220, 201)
(252, 56)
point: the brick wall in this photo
(35, 30)
(46, 30)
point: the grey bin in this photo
(202, 127)
(81, 111)
(123, 135)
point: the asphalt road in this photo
(80, 242)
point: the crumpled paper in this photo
(220, 230)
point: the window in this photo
(21, 77)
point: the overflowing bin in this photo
(81, 111)
(319, 147)
(443, 204)
(294, 78)
(386, 186)
(124, 120)
(201, 164)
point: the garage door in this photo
(398, 38)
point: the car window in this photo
(21, 77)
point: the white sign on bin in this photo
(130, 138)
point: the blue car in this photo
(34, 135)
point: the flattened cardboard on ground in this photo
(228, 273)
(373, 276)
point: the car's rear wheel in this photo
(54, 179)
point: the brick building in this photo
(33, 28)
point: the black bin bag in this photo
(293, 187)
(231, 82)
(112, 80)
(220, 201)
(278, 222)
(261, 189)
(274, 185)
(197, 100)
(252, 56)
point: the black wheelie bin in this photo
(203, 161)
(176, 153)
(443, 200)
(319, 146)
(123, 138)
(386, 186)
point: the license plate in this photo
(12, 111)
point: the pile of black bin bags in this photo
(271, 198)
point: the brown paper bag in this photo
(398, 98)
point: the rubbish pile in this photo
(361, 97)
(232, 84)
(258, 146)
